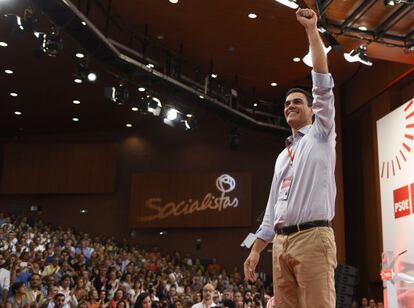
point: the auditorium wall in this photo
(166, 150)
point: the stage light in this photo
(321, 29)
(154, 106)
(308, 58)
(27, 23)
(296, 59)
(77, 80)
(358, 55)
(76, 102)
(289, 3)
(363, 28)
(134, 109)
(18, 113)
(3, 44)
(172, 114)
(151, 66)
(141, 89)
(273, 84)
(214, 75)
(8, 72)
(13, 94)
(83, 23)
(394, 2)
(201, 96)
(52, 44)
(189, 122)
(128, 125)
(173, 1)
(75, 119)
(118, 95)
(252, 16)
(80, 55)
(150, 105)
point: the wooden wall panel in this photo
(58, 168)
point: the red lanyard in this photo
(291, 155)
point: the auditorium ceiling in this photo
(206, 37)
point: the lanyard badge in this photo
(285, 188)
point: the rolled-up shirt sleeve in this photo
(323, 104)
(266, 230)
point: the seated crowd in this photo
(44, 266)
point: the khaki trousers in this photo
(303, 269)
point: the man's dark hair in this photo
(35, 275)
(307, 94)
(16, 286)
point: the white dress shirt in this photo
(313, 190)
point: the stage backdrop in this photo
(396, 171)
(181, 200)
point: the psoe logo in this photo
(402, 202)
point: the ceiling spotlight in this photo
(76, 102)
(363, 28)
(141, 89)
(92, 77)
(308, 58)
(289, 3)
(172, 114)
(13, 94)
(173, 1)
(252, 16)
(77, 80)
(17, 113)
(52, 44)
(118, 95)
(80, 55)
(128, 125)
(134, 109)
(3, 44)
(75, 119)
(358, 55)
(84, 74)
(8, 72)
(296, 59)
(273, 84)
(213, 75)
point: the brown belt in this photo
(301, 227)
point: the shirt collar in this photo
(301, 132)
